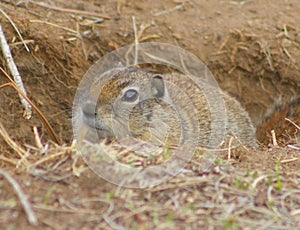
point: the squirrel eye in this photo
(130, 95)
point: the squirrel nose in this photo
(89, 109)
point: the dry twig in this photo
(42, 117)
(169, 10)
(274, 140)
(297, 126)
(293, 147)
(16, 29)
(229, 148)
(23, 198)
(14, 71)
(136, 41)
(52, 156)
(55, 25)
(37, 139)
(70, 10)
(289, 160)
(19, 150)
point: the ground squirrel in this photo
(140, 103)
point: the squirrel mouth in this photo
(91, 122)
(89, 117)
(103, 131)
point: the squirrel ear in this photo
(157, 85)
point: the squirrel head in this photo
(131, 102)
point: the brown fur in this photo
(170, 110)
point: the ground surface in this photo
(251, 47)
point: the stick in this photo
(40, 114)
(290, 160)
(274, 138)
(20, 151)
(16, 29)
(297, 126)
(136, 41)
(37, 139)
(169, 10)
(23, 198)
(70, 10)
(293, 147)
(57, 26)
(14, 71)
(229, 147)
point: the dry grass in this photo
(224, 197)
